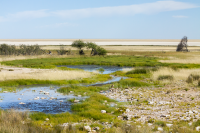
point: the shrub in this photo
(189, 79)
(160, 123)
(165, 77)
(199, 83)
(101, 51)
(138, 71)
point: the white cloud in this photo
(57, 25)
(146, 8)
(25, 15)
(180, 16)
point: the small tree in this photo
(101, 51)
(79, 44)
(96, 50)
(93, 46)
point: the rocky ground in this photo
(172, 102)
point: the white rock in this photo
(79, 95)
(87, 128)
(169, 125)
(198, 128)
(19, 98)
(65, 124)
(5, 91)
(22, 103)
(47, 119)
(76, 101)
(190, 124)
(97, 128)
(103, 111)
(151, 103)
(190, 112)
(160, 129)
(46, 93)
(127, 110)
(195, 111)
(150, 124)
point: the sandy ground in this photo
(9, 73)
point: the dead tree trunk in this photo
(182, 46)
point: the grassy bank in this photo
(93, 79)
(132, 61)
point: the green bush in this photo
(138, 71)
(189, 79)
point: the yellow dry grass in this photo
(41, 74)
(181, 74)
(190, 60)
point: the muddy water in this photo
(45, 98)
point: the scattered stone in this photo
(160, 129)
(47, 119)
(76, 101)
(87, 128)
(190, 124)
(103, 111)
(197, 128)
(19, 99)
(97, 128)
(22, 103)
(127, 110)
(5, 91)
(169, 125)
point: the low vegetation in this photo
(143, 91)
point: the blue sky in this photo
(99, 19)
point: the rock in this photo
(190, 124)
(160, 129)
(92, 131)
(79, 95)
(127, 110)
(5, 91)
(97, 128)
(103, 111)
(46, 93)
(150, 124)
(169, 125)
(76, 101)
(22, 103)
(190, 112)
(87, 128)
(47, 119)
(197, 128)
(19, 98)
(151, 103)
(65, 124)
(194, 111)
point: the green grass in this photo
(18, 82)
(131, 82)
(95, 60)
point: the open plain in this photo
(159, 94)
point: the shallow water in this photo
(91, 68)
(32, 98)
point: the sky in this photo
(99, 19)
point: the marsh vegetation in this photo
(158, 93)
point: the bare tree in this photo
(182, 46)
